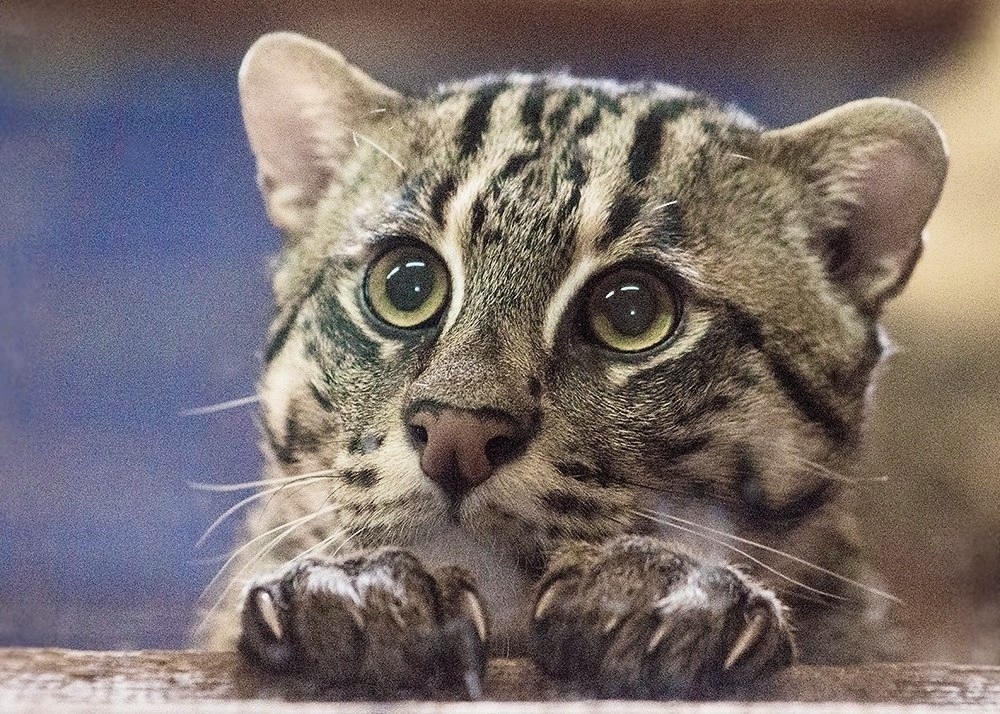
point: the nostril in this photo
(459, 449)
(418, 435)
(500, 449)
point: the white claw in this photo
(545, 602)
(473, 687)
(658, 636)
(475, 612)
(747, 639)
(269, 613)
(359, 619)
(612, 623)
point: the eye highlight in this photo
(407, 287)
(631, 310)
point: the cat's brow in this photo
(579, 273)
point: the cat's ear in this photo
(879, 165)
(305, 109)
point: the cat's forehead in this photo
(525, 177)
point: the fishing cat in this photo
(565, 368)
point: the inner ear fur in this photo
(879, 165)
(305, 109)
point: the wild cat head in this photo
(539, 307)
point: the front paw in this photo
(378, 620)
(633, 617)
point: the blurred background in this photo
(134, 273)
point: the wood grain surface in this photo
(34, 679)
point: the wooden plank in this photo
(32, 678)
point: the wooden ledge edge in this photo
(47, 675)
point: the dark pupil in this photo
(630, 309)
(409, 284)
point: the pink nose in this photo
(460, 449)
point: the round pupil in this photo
(630, 308)
(409, 283)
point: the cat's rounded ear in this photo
(305, 109)
(879, 166)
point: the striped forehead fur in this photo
(545, 131)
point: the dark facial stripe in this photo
(343, 341)
(570, 503)
(531, 110)
(478, 215)
(440, 197)
(809, 401)
(282, 324)
(576, 174)
(569, 206)
(623, 213)
(297, 438)
(282, 453)
(668, 453)
(645, 145)
(320, 398)
(556, 120)
(610, 104)
(585, 473)
(477, 119)
(515, 164)
(587, 125)
(648, 137)
(671, 225)
(363, 478)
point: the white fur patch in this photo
(281, 380)
(335, 581)
(502, 585)
(689, 595)
(399, 466)
(578, 276)
(450, 250)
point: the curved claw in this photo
(269, 613)
(473, 685)
(747, 640)
(547, 599)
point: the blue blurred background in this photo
(133, 285)
(134, 250)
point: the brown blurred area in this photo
(933, 525)
(781, 45)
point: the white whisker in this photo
(300, 481)
(358, 135)
(285, 528)
(789, 556)
(220, 407)
(344, 540)
(656, 518)
(227, 487)
(829, 473)
(208, 559)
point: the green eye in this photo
(407, 287)
(630, 310)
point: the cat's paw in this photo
(379, 620)
(632, 617)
